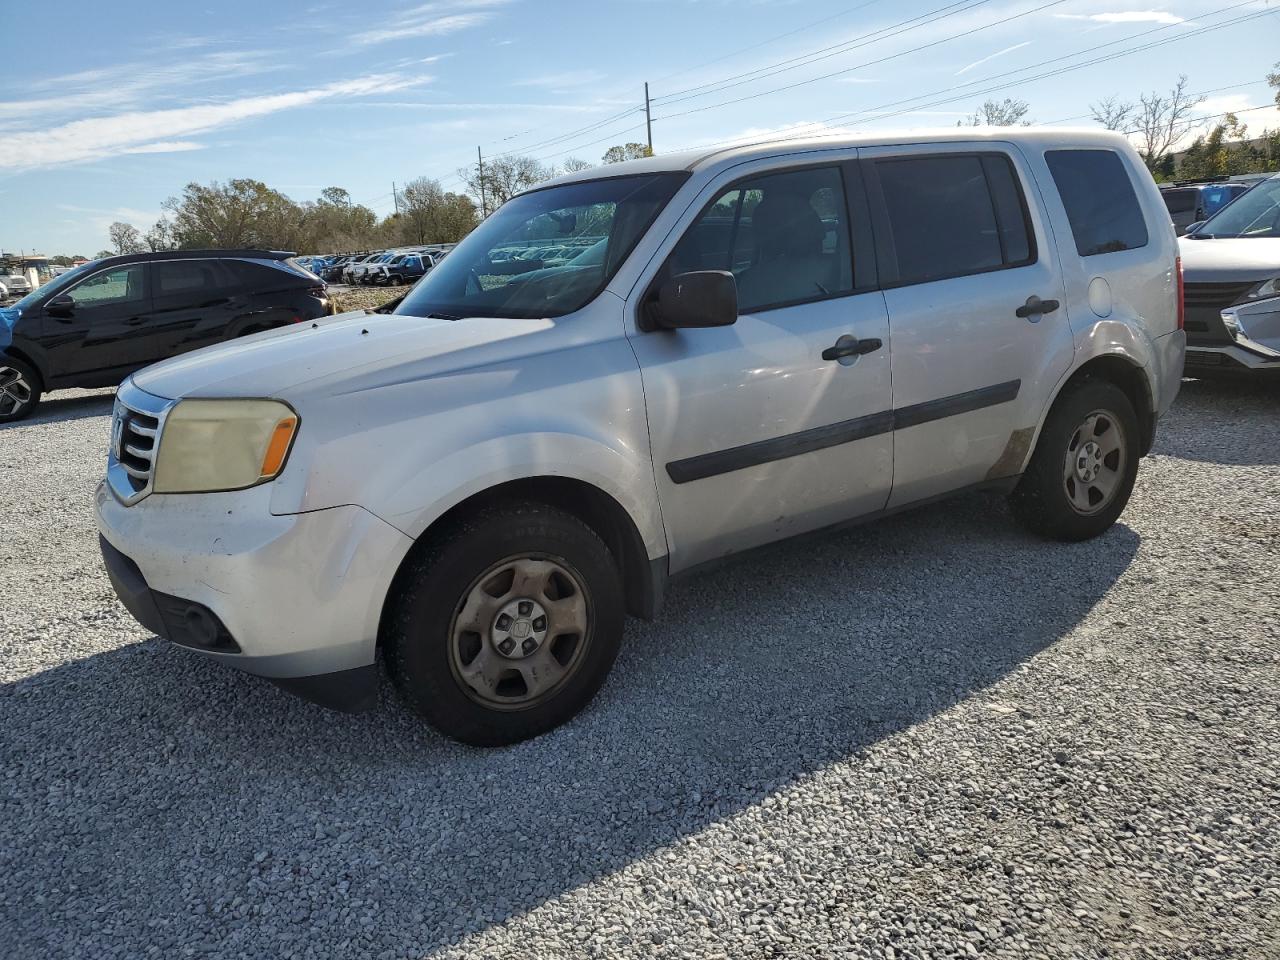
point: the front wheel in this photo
(1084, 466)
(506, 625)
(19, 389)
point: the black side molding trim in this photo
(779, 448)
(966, 402)
(833, 434)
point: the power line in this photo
(823, 53)
(765, 43)
(869, 63)
(883, 110)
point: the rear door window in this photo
(1180, 201)
(190, 278)
(1098, 195)
(952, 215)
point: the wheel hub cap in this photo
(1089, 461)
(519, 629)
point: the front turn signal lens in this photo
(278, 447)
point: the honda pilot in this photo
(753, 343)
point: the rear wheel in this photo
(19, 389)
(1084, 466)
(506, 625)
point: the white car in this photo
(778, 338)
(1233, 287)
(15, 284)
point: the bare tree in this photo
(999, 113)
(125, 238)
(430, 215)
(1112, 112)
(502, 178)
(1162, 121)
(160, 236)
(574, 164)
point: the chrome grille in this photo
(135, 449)
(135, 436)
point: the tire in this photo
(396, 280)
(19, 389)
(455, 660)
(1093, 423)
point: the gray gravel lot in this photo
(931, 737)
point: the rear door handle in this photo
(851, 346)
(134, 321)
(1035, 307)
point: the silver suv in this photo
(765, 340)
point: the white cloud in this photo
(128, 84)
(431, 20)
(161, 130)
(425, 28)
(1126, 16)
(998, 53)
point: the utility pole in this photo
(395, 197)
(648, 118)
(484, 204)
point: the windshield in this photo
(60, 282)
(521, 261)
(1253, 214)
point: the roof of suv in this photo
(194, 255)
(698, 160)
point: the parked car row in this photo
(399, 267)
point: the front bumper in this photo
(295, 598)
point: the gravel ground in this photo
(930, 737)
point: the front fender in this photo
(482, 466)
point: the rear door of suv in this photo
(972, 283)
(195, 302)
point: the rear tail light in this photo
(1182, 297)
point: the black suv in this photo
(92, 326)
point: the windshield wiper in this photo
(441, 316)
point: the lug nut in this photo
(507, 645)
(528, 646)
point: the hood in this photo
(346, 353)
(1230, 259)
(8, 320)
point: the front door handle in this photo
(1035, 307)
(851, 346)
(134, 321)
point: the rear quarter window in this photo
(1101, 204)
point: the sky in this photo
(120, 106)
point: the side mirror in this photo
(1193, 227)
(61, 306)
(703, 298)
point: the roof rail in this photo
(198, 254)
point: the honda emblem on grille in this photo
(117, 435)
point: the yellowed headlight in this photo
(210, 445)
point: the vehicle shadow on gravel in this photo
(1219, 421)
(206, 807)
(71, 405)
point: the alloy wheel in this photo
(15, 391)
